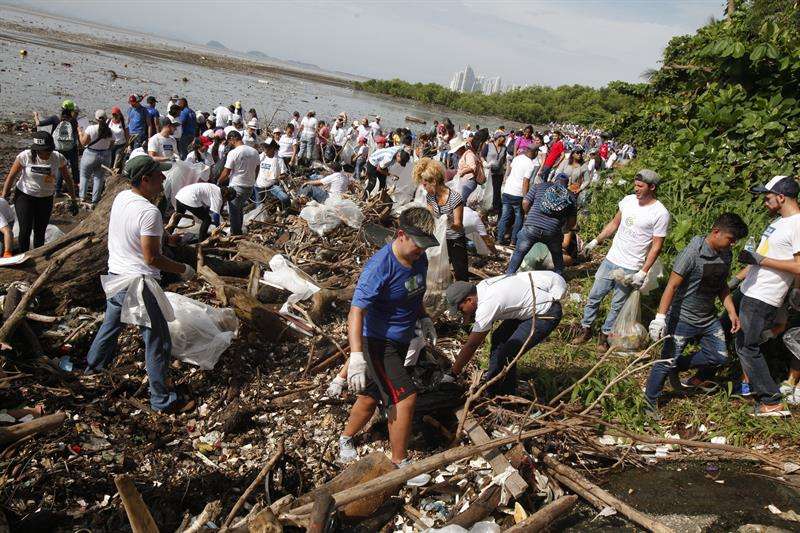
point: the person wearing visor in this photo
(773, 269)
(512, 300)
(387, 302)
(134, 296)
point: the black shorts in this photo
(390, 381)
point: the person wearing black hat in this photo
(152, 116)
(240, 172)
(511, 299)
(387, 302)
(135, 263)
(773, 269)
(65, 136)
(37, 169)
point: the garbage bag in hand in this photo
(650, 282)
(628, 333)
(200, 333)
(438, 277)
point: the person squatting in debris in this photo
(203, 200)
(639, 229)
(135, 263)
(512, 300)
(387, 302)
(687, 311)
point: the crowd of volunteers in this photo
(530, 186)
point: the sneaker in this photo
(347, 450)
(675, 380)
(696, 383)
(181, 405)
(583, 338)
(602, 344)
(793, 398)
(417, 481)
(787, 389)
(742, 389)
(651, 409)
(777, 409)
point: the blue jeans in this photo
(712, 354)
(512, 210)
(306, 149)
(315, 192)
(183, 145)
(360, 162)
(756, 316)
(157, 346)
(603, 284)
(467, 188)
(545, 173)
(236, 208)
(91, 162)
(277, 192)
(507, 341)
(530, 235)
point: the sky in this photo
(530, 42)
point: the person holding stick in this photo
(511, 299)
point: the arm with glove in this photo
(609, 230)
(637, 280)
(356, 365)
(658, 327)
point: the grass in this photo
(555, 365)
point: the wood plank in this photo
(515, 483)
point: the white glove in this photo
(637, 280)
(794, 299)
(657, 327)
(336, 387)
(428, 330)
(357, 372)
(188, 273)
(591, 246)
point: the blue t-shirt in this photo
(390, 295)
(547, 223)
(153, 113)
(137, 120)
(188, 122)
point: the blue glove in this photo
(215, 218)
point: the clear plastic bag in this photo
(322, 218)
(439, 277)
(628, 334)
(537, 258)
(284, 275)
(200, 333)
(346, 210)
(182, 174)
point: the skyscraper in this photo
(465, 81)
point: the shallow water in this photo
(54, 70)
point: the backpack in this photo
(64, 136)
(556, 200)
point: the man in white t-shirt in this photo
(514, 189)
(241, 169)
(508, 298)
(203, 200)
(774, 268)
(333, 185)
(308, 136)
(221, 115)
(271, 169)
(7, 219)
(163, 146)
(640, 226)
(135, 263)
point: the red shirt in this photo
(604, 150)
(555, 152)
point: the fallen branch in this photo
(544, 516)
(138, 514)
(209, 513)
(256, 482)
(13, 433)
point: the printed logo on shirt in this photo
(43, 171)
(629, 221)
(763, 248)
(415, 285)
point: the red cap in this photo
(132, 99)
(205, 141)
(380, 139)
(116, 109)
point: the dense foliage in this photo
(720, 115)
(531, 105)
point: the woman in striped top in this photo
(444, 201)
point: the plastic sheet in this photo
(285, 275)
(200, 333)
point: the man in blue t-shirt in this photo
(386, 304)
(152, 116)
(137, 121)
(188, 120)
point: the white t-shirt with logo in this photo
(638, 225)
(201, 194)
(286, 146)
(269, 170)
(522, 168)
(7, 214)
(38, 176)
(243, 162)
(132, 216)
(309, 125)
(337, 183)
(509, 297)
(93, 132)
(781, 240)
(162, 146)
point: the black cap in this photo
(420, 238)
(778, 185)
(42, 140)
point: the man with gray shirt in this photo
(687, 311)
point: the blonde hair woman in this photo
(444, 201)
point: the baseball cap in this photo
(648, 176)
(133, 98)
(116, 109)
(252, 123)
(175, 97)
(420, 238)
(142, 165)
(42, 140)
(151, 99)
(277, 130)
(100, 113)
(69, 105)
(778, 185)
(205, 141)
(457, 292)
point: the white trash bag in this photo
(285, 275)
(322, 218)
(439, 276)
(200, 333)
(51, 232)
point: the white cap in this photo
(100, 113)
(252, 123)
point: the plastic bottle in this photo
(65, 363)
(750, 245)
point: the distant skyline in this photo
(530, 42)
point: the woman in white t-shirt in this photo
(200, 152)
(37, 170)
(308, 136)
(120, 135)
(287, 146)
(96, 140)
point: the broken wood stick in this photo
(138, 514)
(320, 513)
(484, 505)
(544, 516)
(13, 433)
(256, 482)
(19, 313)
(209, 513)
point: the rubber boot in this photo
(602, 343)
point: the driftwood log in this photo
(13, 433)
(138, 514)
(544, 516)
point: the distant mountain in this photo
(216, 44)
(258, 55)
(303, 65)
